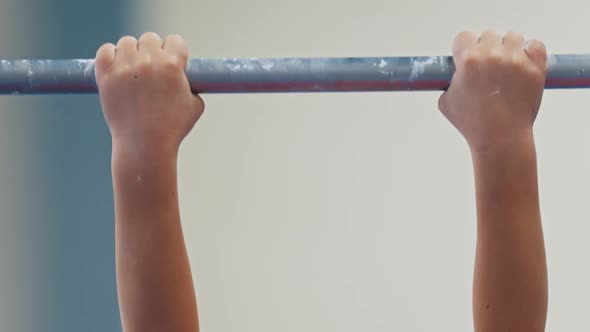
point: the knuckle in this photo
(513, 35)
(152, 35)
(489, 32)
(166, 67)
(103, 47)
(465, 33)
(127, 40)
(462, 36)
(181, 57)
(124, 72)
(535, 74)
(170, 65)
(537, 48)
(471, 59)
(102, 53)
(517, 62)
(144, 66)
(496, 57)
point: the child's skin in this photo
(493, 100)
(149, 109)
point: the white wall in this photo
(355, 212)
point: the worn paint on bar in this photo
(253, 75)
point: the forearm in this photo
(510, 281)
(153, 274)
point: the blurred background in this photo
(313, 212)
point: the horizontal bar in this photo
(281, 75)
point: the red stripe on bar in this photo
(316, 87)
(567, 83)
(53, 88)
(234, 87)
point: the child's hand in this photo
(149, 108)
(497, 88)
(493, 100)
(145, 95)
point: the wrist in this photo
(515, 160)
(504, 147)
(506, 181)
(141, 155)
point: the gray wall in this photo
(56, 177)
(74, 147)
(18, 240)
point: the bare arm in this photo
(493, 101)
(510, 281)
(153, 273)
(149, 108)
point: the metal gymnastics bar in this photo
(30, 77)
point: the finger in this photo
(175, 46)
(150, 43)
(464, 41)
(537, 52)
(513, 42)
(105, 57)
(126, 49)
(489, 39)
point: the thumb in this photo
(443, 102)
(199, 104)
